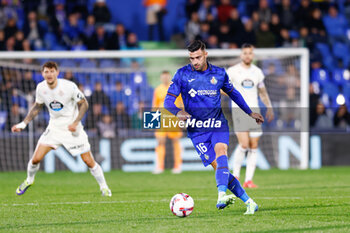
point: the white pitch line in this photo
(161, 200)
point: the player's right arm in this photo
(173, 92)
(33, 112)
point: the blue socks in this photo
(235, 187)
(222, 173)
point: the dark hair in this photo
(195, 45)
(49, 64)
(165, 72)
(247, 45)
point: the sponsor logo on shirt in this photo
(56, 106)
(247, 83)
(210, 93)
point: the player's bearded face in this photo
(199, 59)
(50, 75)
(247, 56)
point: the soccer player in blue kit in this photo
(199, 84)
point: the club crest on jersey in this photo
(56, 106)
(213, 80)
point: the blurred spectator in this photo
(2, 40)
(275, 26)
(72, 31)
(316, 25)
(322, 121)
(10, 28)
(33, 31)
(336, 25)
(193, 27)
(94, 115)
(69, 76)
(27, 85)
(212, 42)
(236, 26)
(341, 118)
(121, 116)
(192, 6)
(314, 99)
(89, 28)
(264, 11)
(19, 38)
(284, 39)
(207, 11)
(98, 96)
(57, 18)
(132, 43)
(248, 34)
(224, 10)
(204, 32)
(155, 11)
(286, 14)
(101, 12)
(106, 127)
(256, 21)
(98, 40)
(14, 116)
(264, 37)
(118, 38)
(224, 36)
(303, 13)
(10, 44)
(136, 120)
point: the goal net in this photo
(119, 86)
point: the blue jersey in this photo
(200, 91)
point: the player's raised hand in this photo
(18, 127)
(73, 127)
(258, 117)
(183, 116)
(269, 115)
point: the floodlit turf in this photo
(289, 201)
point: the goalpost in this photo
(136, 73)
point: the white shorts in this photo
(76, 143)
(242, 122)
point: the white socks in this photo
(251, 164)
(97, 172)
(238, 160)
(249, 201)
(31, 171)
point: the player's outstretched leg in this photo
(97, 172)
(31, 171)
(221, 176)
(235, 187)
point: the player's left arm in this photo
(83, 106)
(264, 96)
(239, 100)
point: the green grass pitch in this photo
(289, 201)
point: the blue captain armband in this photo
(238, 99)
(169, 104)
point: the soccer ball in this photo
(181, 205)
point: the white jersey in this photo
(246, 81)
(60, 101)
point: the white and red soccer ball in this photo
(181, 205)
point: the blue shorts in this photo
(205, 144)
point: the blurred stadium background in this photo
(120, 77)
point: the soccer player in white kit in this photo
(248, 79)
(67, 106)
